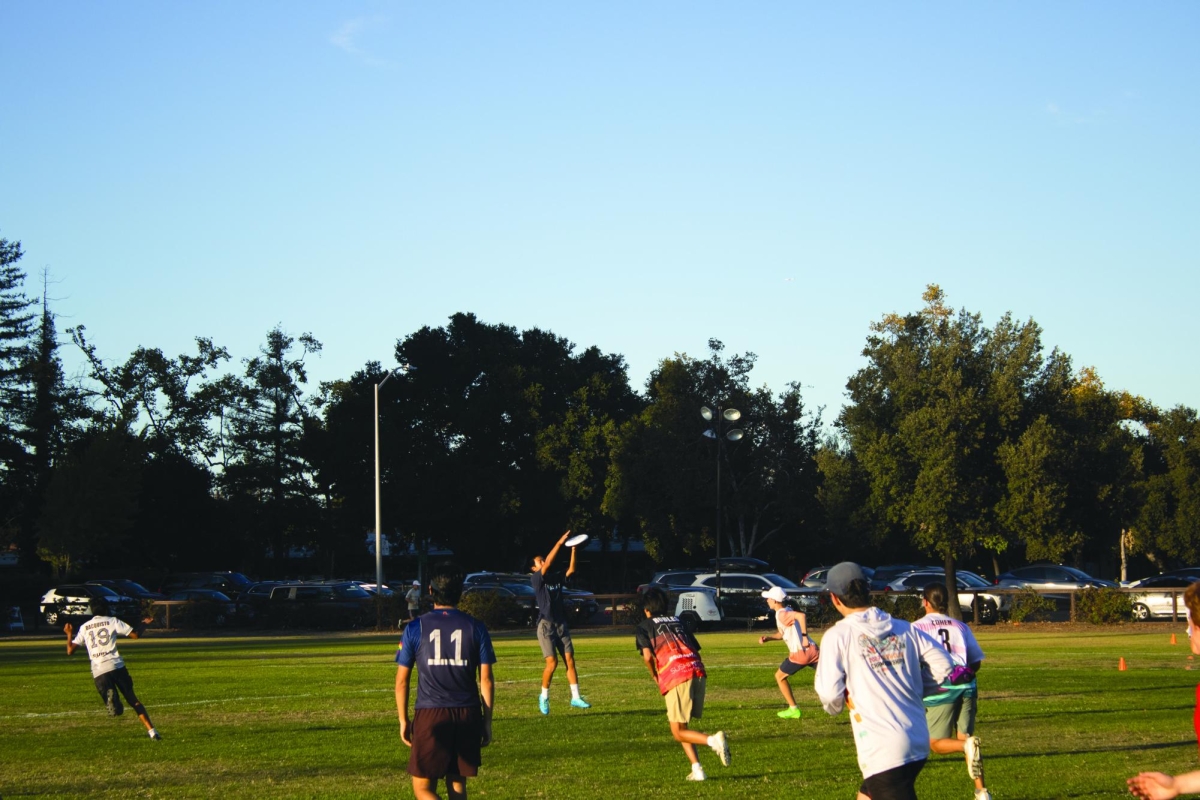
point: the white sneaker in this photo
(983, 794)
(697, 773)
(974, 758)
(721, 747)
(155, 735)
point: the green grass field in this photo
(313, 716)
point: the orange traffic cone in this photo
(1173, 639)
(1121, 664)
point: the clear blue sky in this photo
(637, 176)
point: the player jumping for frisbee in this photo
(553, 633)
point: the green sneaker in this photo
(791, 713)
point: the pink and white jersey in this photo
(954, 635)
(789, 624)
(99, 635)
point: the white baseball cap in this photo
(776, 594)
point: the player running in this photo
(99, 635)
(449, 725)
(950, 711)
(872, 664)
(802, 651)
(672, 655)
(553, 633)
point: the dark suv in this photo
(230, 583)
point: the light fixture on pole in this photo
(734, 434)
(403, 369)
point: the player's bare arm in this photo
(648, 659)
(487, 692)
(571, 566)
(554, 553)
(402, 677)
(768, 637)
(69, 630)
(137, 632)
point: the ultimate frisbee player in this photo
(453, 716)
(672, 655)
(99, 635)
(553, 633)
(872, 664)
(802, 652)
(950, 711)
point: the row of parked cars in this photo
(517, 596)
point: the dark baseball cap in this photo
(841, 575)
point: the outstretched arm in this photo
(571, 566)
(69, 630)
(554, 553)
(1158, 786)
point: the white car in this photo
(696, 605)
(970, 586)
(1164, 598)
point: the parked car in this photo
(1165, 598)
(969, 590)
(673, 579)
(741, 593)
(580, 604)
(344, 604)
(881, 576)
(815, 577)
(73, 602)
(1048, 577)
(128, 588)
(206, 606)
(519, 598)
(696, 606)
(230, 583)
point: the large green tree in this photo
(16, 334)
(1167, 528)
(940, 395)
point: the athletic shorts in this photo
(950, 718)
(789, 667)
(108, 684)
(446, 741)
(686, 701)
(898, 783)
(554, 636)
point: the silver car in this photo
(1165, 599)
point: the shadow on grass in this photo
(1124, 748)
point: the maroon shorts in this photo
(446, 741)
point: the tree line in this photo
(961, 442)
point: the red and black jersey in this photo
(676, 652)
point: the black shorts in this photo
(898, 783)
(789, 667)
(109, 683)
(446, 741)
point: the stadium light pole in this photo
(734, 434)
(403, 369)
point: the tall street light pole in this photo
(403, 369)
(732, 435)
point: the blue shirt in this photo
(446, 646)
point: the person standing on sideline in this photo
(872, 665)
(453, 716)
(802, 651)
(99, 635)
(553, 633)
(413, 598)
(950, 710)
(672, 655)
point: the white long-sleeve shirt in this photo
(878, 661)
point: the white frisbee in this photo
(576, 540)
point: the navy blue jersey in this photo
(549, 590)
(446, 646)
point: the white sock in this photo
(545, 693)
(712, 741)
(575, 691)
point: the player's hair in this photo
(937, 596)
(655, 601)
(100, 607)
(1191, 598)
(857, 594)
(446, 585)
